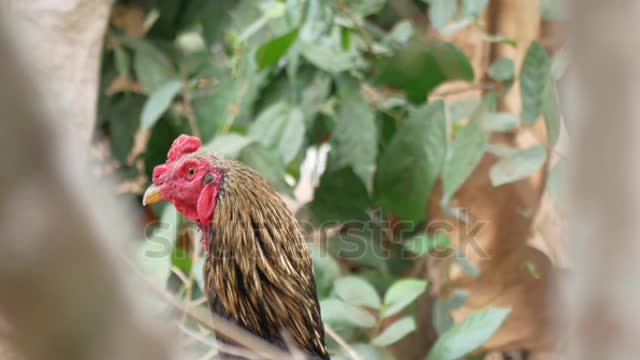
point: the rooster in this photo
(257, 270)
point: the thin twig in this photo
(221, 347)
(343, 344)
(463, 89)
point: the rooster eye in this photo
(191, 171)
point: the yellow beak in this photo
(151, 195)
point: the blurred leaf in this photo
(153, 254)
(181, 259)
(268, 164)
(559, 63)
(466, 152)
(122, 61)
(533, 79)
(422, 243)
(228, 145)
(551, 113)
(329, 59)
(273, 9)
(519, 166)
(124, 121)
(325, 268)
(315, 93)
(442, 309)
(553, 10)
(345, 38)
(152, 66)
(341, 196)
(368, 352)
(395, 332)
(197, 272)
(215, 110)
(462, 109)
(400, 33)
(354, 140)
(281, 128)
(336, 312)
(159, 102)
(357, 291)
(401, 294)
(557, 182)
(499, 122)
(269, 53)
(467, 267)
(417, 68)
(468, 335)
(360, 248)
(453, 27)
(473, 8)
(501, 150)
(502, 69)
(364, 7)
(412, 162)
(441, 11)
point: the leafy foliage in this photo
(269, 83)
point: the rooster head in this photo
(188, 179)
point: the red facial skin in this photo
(190, 184)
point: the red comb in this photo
(184, 144)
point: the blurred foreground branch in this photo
(605, 195)
(59, 293)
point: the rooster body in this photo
(258, 271)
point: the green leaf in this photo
(281, 128)
(553, 10)
(213, 111)
(357, 291)
(325, 268)
(468, 335)
(465, 265)
(268, 164)
(412, 162)
(153, 254)
(462, 109)
(340, 197)
(395, 332)
(153, 68)
(418, 67)
(466, 152)
(534, 76)
(124, 121)
(400, 33)
(359, 247)
(422, 244)
(519, 166)
(441, 11)
(364, 7)
(327, 58)
(122, 61)
(228, 145)
(557, 182)
(442, 309)
(354, 140)
(502, 69)
(269, 53)
(551, 113)
(159, 102)
(499, 122)
(473, 8)
(336, 312)
(401, 294)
